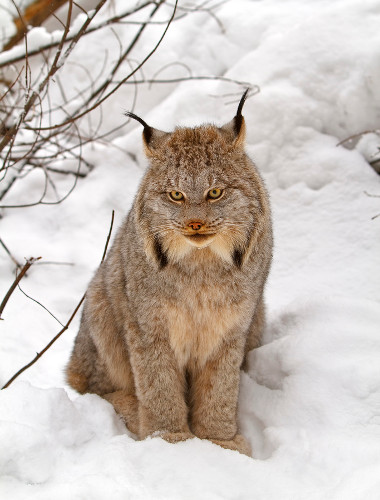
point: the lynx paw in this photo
(126, 405)
(238, 443)
(174, 437)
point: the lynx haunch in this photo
(172, 312)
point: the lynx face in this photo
(200, 193)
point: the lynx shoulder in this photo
(173, 310)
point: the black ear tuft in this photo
(238, 120)
(148, 131)
(241, 103)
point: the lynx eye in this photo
(176, 195)
(214, 193)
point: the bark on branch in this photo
(34, 15)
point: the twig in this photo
(27, 265)
(41, 353)
(109, 236)
(41, 305)
(355, 136)
(12, 84)
(254, 88)
(66, 172)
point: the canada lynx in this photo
(178, 302)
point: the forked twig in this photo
(41, 353)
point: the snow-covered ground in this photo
(310, 404)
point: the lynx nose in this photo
(195, 224)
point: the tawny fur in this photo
(169, 317)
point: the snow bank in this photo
(310, 403)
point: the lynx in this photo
(172, 312)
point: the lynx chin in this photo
(172, 312)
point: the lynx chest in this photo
(200, 320)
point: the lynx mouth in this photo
(199, 240)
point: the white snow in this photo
(310, 403)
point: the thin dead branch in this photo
(39, 303)
(358, 136)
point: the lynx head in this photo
(201, 192)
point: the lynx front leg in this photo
(214, 392)
(160, 389)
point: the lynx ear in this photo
(236, 127)
(152, 137)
